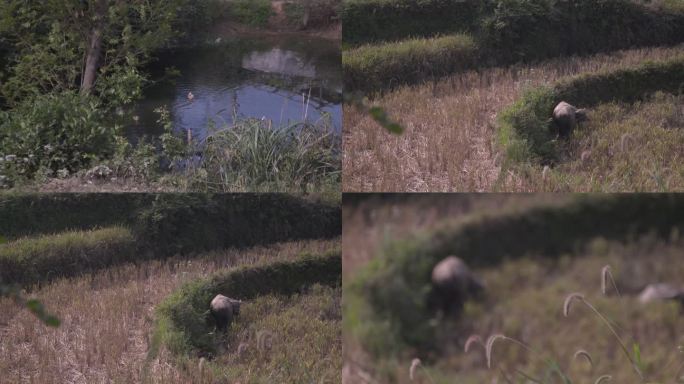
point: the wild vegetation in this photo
(72, 72)
(105, 318)
(455, 134)
(452, 131)
(160, 227)
(525, 296)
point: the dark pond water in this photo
(283, 79)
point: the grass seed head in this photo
(585, 354)
(473, 339)
(414, 366)
(568, 301)
(490, 345)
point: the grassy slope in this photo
(525, 301)
(285, 340)
(104, 336)
(450, 128)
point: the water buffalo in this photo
(223, 310)
(452, 285)
(655, 292)
(566, 118)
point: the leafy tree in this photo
(96, 46)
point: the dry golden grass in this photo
(107, 318)
(450, 127)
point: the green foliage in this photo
(193, 222)
(30, 260)
(34, 214)
(252, 12)
(536, 29)
(373, 68)
(50, 40)
(182, 322)
(312, 13)
(388, 300)
(526, 123)
(160, 227)
(53, 132)
(503, 32)
(255, 156)
(368, 21)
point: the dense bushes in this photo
(505, 32)
(538, 29)
(33, 214)
(192, 222)
(374, 67)
(252, 12)
(182, 322)
(30, 260)
(525, 130)
(53, 133)
(367, 21)
(388, 302)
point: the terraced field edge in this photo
(147, 227)
(182, 322)
(524, 129)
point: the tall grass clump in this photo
(525, 129)
(183, 325)
(372, 68)
(254, 155)
(27, 261)
(388, 300)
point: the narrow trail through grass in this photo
(450, 126)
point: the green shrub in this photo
(252, 12)
(30, 260)
(373, 68)
(389, 298)
(526, 123)
(504, 32)
(182, 323)
(368, 21)
(66, 131)
(524, 30)
(34, 214)
(194, 222)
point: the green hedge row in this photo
(525, 130)
(376, 67)
(368, 21)
(183, 324)
(161, 226)
(387, 304)
(504, 32)
(30, 260)
(32, 214)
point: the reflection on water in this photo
(280, 79)
(279, 61)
